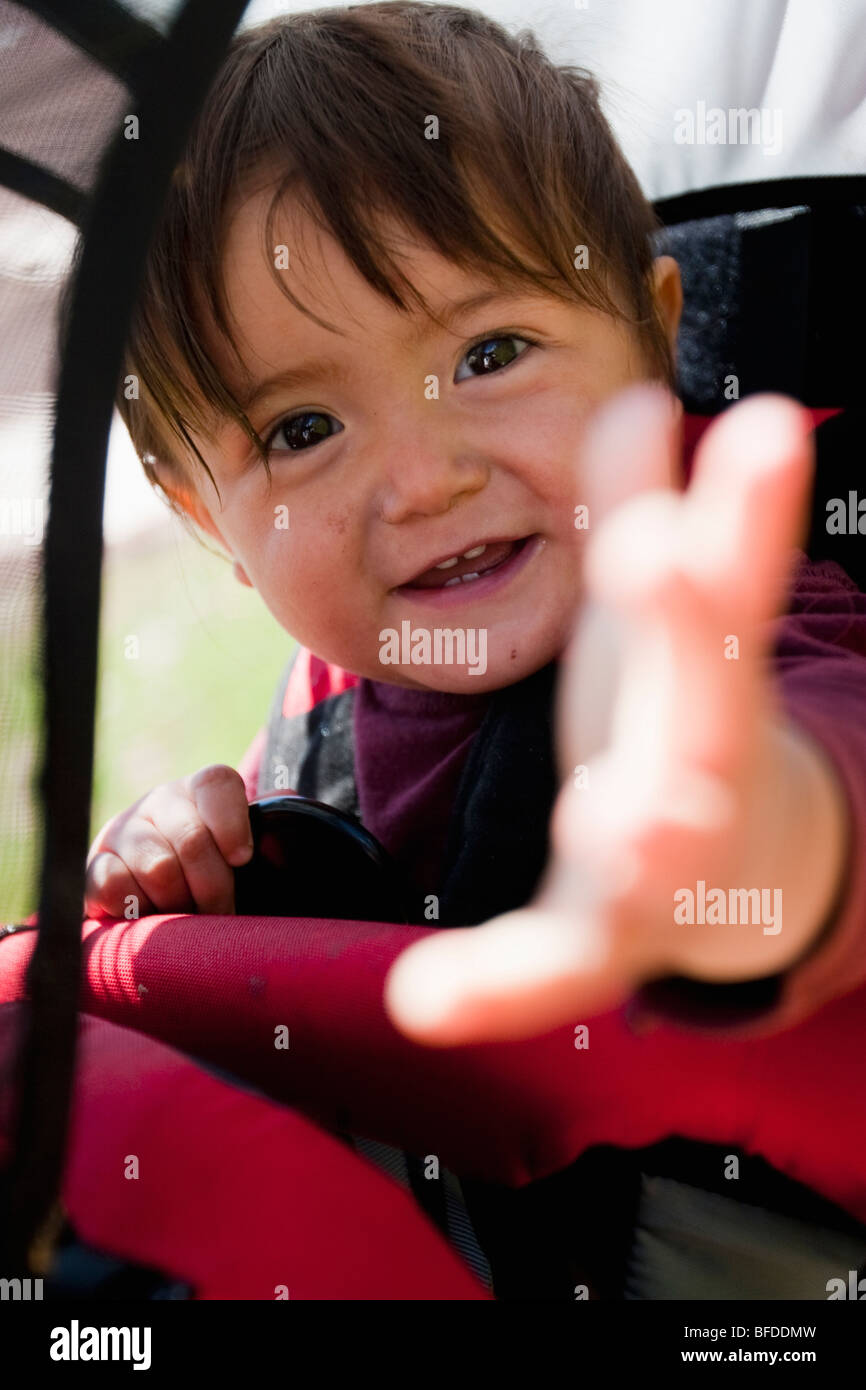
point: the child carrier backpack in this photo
(574, 1177)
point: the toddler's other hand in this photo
(174, 850)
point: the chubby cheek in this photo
(311, 586)
(538, 442)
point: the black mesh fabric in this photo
(58, 110)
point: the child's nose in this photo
(427, 478)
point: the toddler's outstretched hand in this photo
(678, 764)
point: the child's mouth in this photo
(477, 570)
(466, 568)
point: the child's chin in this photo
(476, 678)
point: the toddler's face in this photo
(422, 479)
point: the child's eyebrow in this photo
(449, 313)
(290, 378)
(316, 368)
(464, 307)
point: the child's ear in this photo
(186, 500)
(668, 292)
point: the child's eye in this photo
(303, 431)
(492, 354)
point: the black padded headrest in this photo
(775, 298)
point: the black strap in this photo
(314, 753)
(40, 185)
(498, 838)
(111, 33)
(122, 213)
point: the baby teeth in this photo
(455, 559)
(460, 579)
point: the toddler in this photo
(404, 350)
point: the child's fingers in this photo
(203, 866)
(219, 794)
(109, 885)
(746, 507)
(151, 859)
(519, 975)
(631, 449)
(684, 686)
(693, 580)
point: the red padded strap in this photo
(219, 986)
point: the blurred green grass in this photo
(209, 656)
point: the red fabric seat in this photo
(217, 987)
(235, 1195)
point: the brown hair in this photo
(339, 102)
